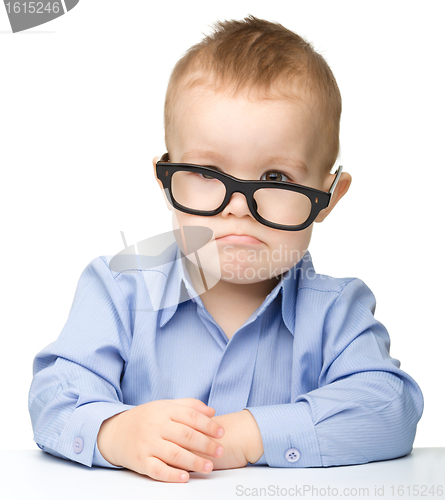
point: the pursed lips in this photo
(240, 238)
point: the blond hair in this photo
(266, 57)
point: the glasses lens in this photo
(197, 191)
(280, 206)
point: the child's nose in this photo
(237, 206)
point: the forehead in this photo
(247, 123)
(206, 94)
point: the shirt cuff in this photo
(99, 460)
(78, 439)
(288, 434)
(260, 461)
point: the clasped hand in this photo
(165, 439)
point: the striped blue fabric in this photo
(311, 364)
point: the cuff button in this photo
(292, 455)
(78, 445)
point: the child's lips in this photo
(239, 239)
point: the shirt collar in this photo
(179, 288)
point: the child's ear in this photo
(155, 159)
(340, 190)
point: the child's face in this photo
(247, 139)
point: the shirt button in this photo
(78, 445)
(292, 455)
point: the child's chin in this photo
(243, 275)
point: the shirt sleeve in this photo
(76, 379)
(364, 409)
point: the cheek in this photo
(181, 219)
(200, 234)
(289, 247)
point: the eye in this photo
(275, 175)
(205, 176)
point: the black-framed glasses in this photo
(201, 190)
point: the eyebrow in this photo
(269, 160)
(290, 162)
(208, 155)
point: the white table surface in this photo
(34, 474)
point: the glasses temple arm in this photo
(337, 177)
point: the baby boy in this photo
(272, 365)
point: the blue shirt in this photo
(311, 364)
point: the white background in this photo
(81, 117)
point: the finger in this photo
(159, 470)
(196, 420)
(197, 404)
(191, 440)
(172, 454)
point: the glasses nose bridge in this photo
(239, 188)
